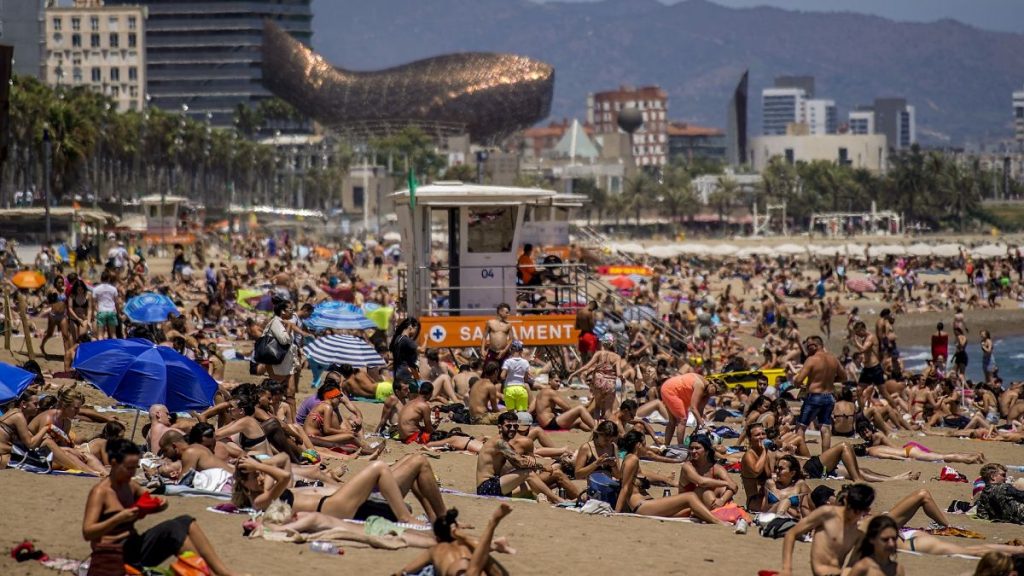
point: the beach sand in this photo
(48, 509)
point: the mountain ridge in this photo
(959, 77)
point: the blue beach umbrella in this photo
(150, 308)
(339, 316)
(13, 381)
(139, 373)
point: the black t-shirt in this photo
(405, 353)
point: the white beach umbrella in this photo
(669, 251)
(947, 250)
(989, 251)
(693, 248)
(627, 247)
(920, 249)
(888, 250)
(790, 249)
(754, 251)
(723, 250)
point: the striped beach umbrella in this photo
(343, 349)
(339, 316)
(860, 285)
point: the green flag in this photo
(412, 188)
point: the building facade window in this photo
(131, 40)
(132, 23)
(115, 74)
(112, 22)
(57, 23)
(76, 23)
(76, 75)
(133, 73)
(96, 75)
(76, 40)
(115, 40)
(94, 40)
(94, 23)
(790, 157)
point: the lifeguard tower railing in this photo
(566, 288)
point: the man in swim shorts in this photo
(496, 452)
(414, 424)
(821, 371)
(515, 372)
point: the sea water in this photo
(1008, 354)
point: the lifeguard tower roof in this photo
(451, 193)
(167, 199)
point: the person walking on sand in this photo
(821, 371)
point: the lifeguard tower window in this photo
(153, 211)
(491, 230)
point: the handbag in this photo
(268, 350)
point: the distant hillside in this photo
(960, 78)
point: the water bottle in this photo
(741, 526)
(324, 547)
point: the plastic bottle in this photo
(324, 547)
(741, 526)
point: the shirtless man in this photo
(414, 425)
(497, 336)
(585, 321)
(358, 383)
(883, 326)
(524, 445)
(468, 373)
(821, 371)
(554, 413)
(872, 375)
(392, 406)
(440, 374)
(192, 456)
(835, 531)
(160, 422)
(493, 478)
(483, 396)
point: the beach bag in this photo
(603, 487)
(777, 528)
(268, 350)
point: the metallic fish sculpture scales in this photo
(485, 95)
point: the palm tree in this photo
(677, 193)
(724, 197)
(640, 191)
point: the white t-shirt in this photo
(106, 297)
(515, 371)
(119, 255)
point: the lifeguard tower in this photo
(480, 231)
(164, 217)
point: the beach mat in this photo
(451, 492)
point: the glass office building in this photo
(208, 54)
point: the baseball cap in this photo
(525, 418)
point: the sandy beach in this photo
(47, 509)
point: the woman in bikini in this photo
(97, 447)
(880, 446)
(787, 493)
(80, 310)
(756, 466)
(605, 368)
(325, 427)
(14, 428)
(56, 318)
(703, 476)
(599, 455)
(843, 414)
(257, 484)
(61, 438)
(250, 436)
(457, 554)
(633, 496)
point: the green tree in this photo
(640, 192)
(597, 197)
(460, 172)
(677, 193)
(724, 197)
(414, 149)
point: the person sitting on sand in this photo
(554, 413)
(703, 476)
(600, 454)
(458, 555)
(524, 445)
(786, 493)
(97, 446)
(59, 436)
(483, 396)
(324, 425)
(14, 429)
(388, 424)
(500, 469)
(111, 513)
(877, 550)
(878, 445)
(834, 529)
(999, 501)
(414, 419)
(258, 484)
(633, 496)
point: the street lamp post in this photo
(47, 169)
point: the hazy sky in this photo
(1006, 15)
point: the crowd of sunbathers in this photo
(286, 459)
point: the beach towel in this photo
(732, 513)
(949, 474)
(501, 498)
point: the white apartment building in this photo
(89, 44)
(820, 116)
(781, 107)
(862, 122)
(858, 151)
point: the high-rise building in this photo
(1018, 114)
(21, 26)
(736, 117)
(781, 107)
(805, 83)
(862, 121)
(103, 47)
(650, 142)
(208, 55)
(820, 116)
